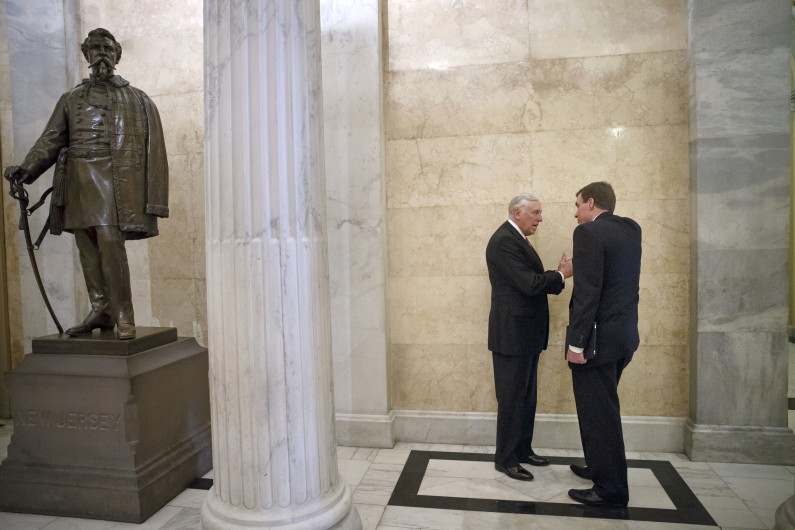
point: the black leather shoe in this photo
(92, 322)
(590, 498)
(581, 471)
(516, 472)
(534, 460)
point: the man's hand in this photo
(576, 358)
(15, 174)
(566, 266)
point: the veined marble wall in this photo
(35, 70)
(489, 98)
(10, 210)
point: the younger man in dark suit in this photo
(607, 250)
(518, 331)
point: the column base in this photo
(333, 510)
(785, 515)
(740, 444)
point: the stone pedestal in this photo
(107, 429)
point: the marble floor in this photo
(422, 486)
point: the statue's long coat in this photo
(137, 149)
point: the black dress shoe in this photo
(581, 471)
(590, 498)
(534, 460)
(515, 472)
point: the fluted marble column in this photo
(274, 452)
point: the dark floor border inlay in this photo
(688, 508)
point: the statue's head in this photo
(101, 51)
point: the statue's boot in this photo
(97, 261)
(95, 320)
(116, 273)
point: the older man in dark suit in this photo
(518, 331)
(607, 252)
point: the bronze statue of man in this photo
(110, 182)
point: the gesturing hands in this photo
(566, 266)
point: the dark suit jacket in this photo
(519, 317)
(607, 255)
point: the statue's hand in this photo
(15, 174)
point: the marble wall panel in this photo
(561, 94)
(355, 199)
(142, 18)
(555, 394)
(438, 34)
(738, 25)
(441, 241)
(740, 67)
(739, 105)
(442, 377)
(566, 160)
(195, 173)
(446, 241)
(751, 361)
(642, 163)
(457, 171)
(663, 311)
(8, 206)
(736, 292)
(666, 234)
(583, 28)
(178, 309)
(183, 124)
(481, 99)
(613, 91)
(737, 177)
(167, 63)
(656, 382)
(439, 310)
(37, 76)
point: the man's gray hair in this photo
(519, 199)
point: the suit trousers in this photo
(599, 417)
(515, 384)
(105, 269)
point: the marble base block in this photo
(740, 444)
(365, 430)
(113, 436)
